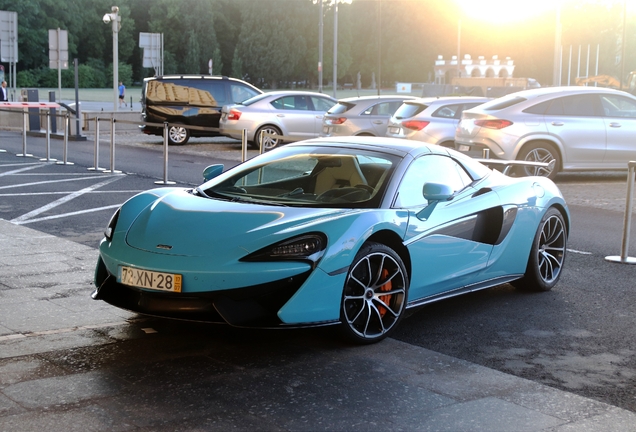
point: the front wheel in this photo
(178, 135)
(375, 294)
(547, 254)
(539, 152)
(268, 143)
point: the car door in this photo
(620, 124)
(444, 238)
(296, 116)
(319, 106)
(377, 116)
(578, 124)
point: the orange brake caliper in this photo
(385, 298)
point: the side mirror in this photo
(437, 191)
(434, 193)
(212, 171)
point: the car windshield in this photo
(501, 103)
(408, 109)
(307, 176)
(340, 107)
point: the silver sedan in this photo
(365, 115)
(575, 128)
(432, 119)
(293, 114)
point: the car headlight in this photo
(304, 247)
(110, 229)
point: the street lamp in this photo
(115, 19)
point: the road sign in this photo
(8, 37)
(152, 44)
(58, 49)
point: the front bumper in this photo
(255, 306)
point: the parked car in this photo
(432, 120)
(294, 114)
(189, 100)
(349, 231)
(579, 128)
(365, 115)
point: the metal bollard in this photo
(65, 149)
(243, 145)
(260, 141)
(165, 156)
(485, 153)
(112, 169)
(96, 150)
(624, 258)
(25, 116)
(48, 139)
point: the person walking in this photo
(122, 94)
(4, 95)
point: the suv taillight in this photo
(493, 124)
(234, 114)
(336, 120)
(415, 124)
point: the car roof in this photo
(396, 146)
(295, 93)
(432, 99)
(376, 97)
(564, 90)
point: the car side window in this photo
(618, 106)
(576, 105)
(379, 109)
(448, 111)
(321, 104)
(429, 169)
(298, 103)
(207, 92)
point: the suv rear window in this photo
(501, 104)
(407, 110)
(340, 107)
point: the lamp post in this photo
(115, 19)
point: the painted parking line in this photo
(89, 177)
(30, 215)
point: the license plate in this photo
(394, 130)
(150, 279)
(463, 148)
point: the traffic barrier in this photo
(624, 257)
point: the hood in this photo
(180, 223)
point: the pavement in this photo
(69, 363)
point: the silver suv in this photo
(579, 128)
(432, 119)
(365, 115)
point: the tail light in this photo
(493, 124)
(336, 120)
(415, 124)
(234, 114)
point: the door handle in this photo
(614, 125)
(379, 122)
(319, 117)
(555, 123)
(280, 115)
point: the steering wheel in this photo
(366, 187)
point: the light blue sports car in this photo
(350, 231)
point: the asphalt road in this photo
(579, 337)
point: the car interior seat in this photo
(338, 172)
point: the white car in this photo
(432, 119)
(296, 115)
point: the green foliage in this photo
(275, 42)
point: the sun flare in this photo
(504, 11)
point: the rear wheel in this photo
(375, 294)
(268, 142)
(178, 135)
(539, 152)
(547, 254)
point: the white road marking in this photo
(19, 170)
(66, 193)
(25, 217)
(68, 214)
(579, 252)
(55, 181)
